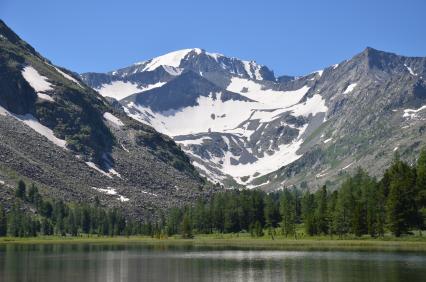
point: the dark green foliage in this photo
(421, 189)
(400, 205)
(21, 190)
(308, 213)
(362, 206)
(288, 213)
(321, 213)
(3, 222)
(58, 218)
(186, 228)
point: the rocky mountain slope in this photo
(77, 146)
(240, 125)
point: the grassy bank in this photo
(243, 241)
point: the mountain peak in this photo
(202, 62)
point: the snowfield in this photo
(230, 117)
(120, 89)
(237, 126)
(285, 155)
(172, 59)
(269, 97)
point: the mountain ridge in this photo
(276, 122)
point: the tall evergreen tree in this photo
(421, 189)
(21, 190)
(308, 213)
(186, 228)
(401, 206)
(288, 213)
(321, 213)
(3, 222)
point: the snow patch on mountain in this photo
(111, 172)
(319, 72)
(34, 124)
(113, 119)
(410, 70)
(312, 106)
(252, 69)
(286, 154)
(410, 113)
(198, 141)
(269, 97)
(172, 59)
(228, 115)
(113, 192)
(38, 82)
(67, 76)
(215, 56)
(173, 71)
(45, 97)
(118, 89)
(350, 88)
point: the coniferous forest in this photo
(363, 205)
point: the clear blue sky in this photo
(291, 37)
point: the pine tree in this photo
(321, 214)
(3, 222)
(344, 208)
(46, 227)
(308, 213)
(269, 212)
(14, 221)
(186, 228)
(421, 189)
(32, 194)
(21, 190)
(288, 213)
(401, 206)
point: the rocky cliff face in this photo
(78, 146)
(242, 126)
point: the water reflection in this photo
(90, 262)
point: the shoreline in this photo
(307, 244)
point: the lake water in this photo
(94, 262)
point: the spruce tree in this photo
(186, 228)
(421, 189)
(321, 214)
(21, 190)
(32, 194)
(288, 213)
(3, 222)
(400, 205)
(308, 213)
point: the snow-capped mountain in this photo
(242, 126)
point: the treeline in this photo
(361, 206)
(32, 215)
